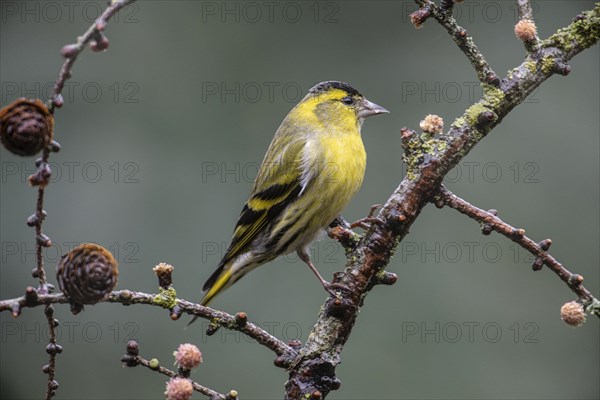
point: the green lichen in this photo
(547, 64)
(473, 112)
(417, 149)
(510, 73)
(492, 99)
(584, 32)
(458, 122)
(492, 96)
(531, 66)
(166, 298)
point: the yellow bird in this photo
(313, 167)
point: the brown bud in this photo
(43, 240)
(486, 229)
(281, 362)
(439, 203)
(212, 328)
(26, 127)
(87, 274)
(339, 308)
(406, 133)
(420, 16)
(53, 348)
(31, 295)
(493, 79)
(58, 101)
(32, 220)
(54, 146)
(316, 395)
(100, 42)
(572, 313)
(537, 264)
(42, 175)
(133, 348)
(69, 50)
(15, 310)
(101, 24)
(486, 118)
(575, 279)
(335, 384)
(387, 278)
(176, 313)
(241, 319)
(561, 68)
(545, 244)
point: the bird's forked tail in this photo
(216, 283)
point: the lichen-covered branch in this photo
(429, 159)
(490, 222)
(176, 306)
(443, 15)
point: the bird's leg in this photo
(366, 222)
(303, 255)
(339, 222)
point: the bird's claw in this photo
(374, 207)
(329, 287)
(366, 223)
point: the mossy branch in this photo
(175, 305)
(429, 159)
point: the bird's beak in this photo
(367, 108)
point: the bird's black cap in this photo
(328, 85)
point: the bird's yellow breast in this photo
(345, 161)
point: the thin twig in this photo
(127, 297)
(70, 52)
(444, 16)
(491, 221)
(42, 240)
(525, 10)
(165, 371)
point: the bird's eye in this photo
(348, 100)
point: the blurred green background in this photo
(162, 136)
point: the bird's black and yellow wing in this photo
(279, 183)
